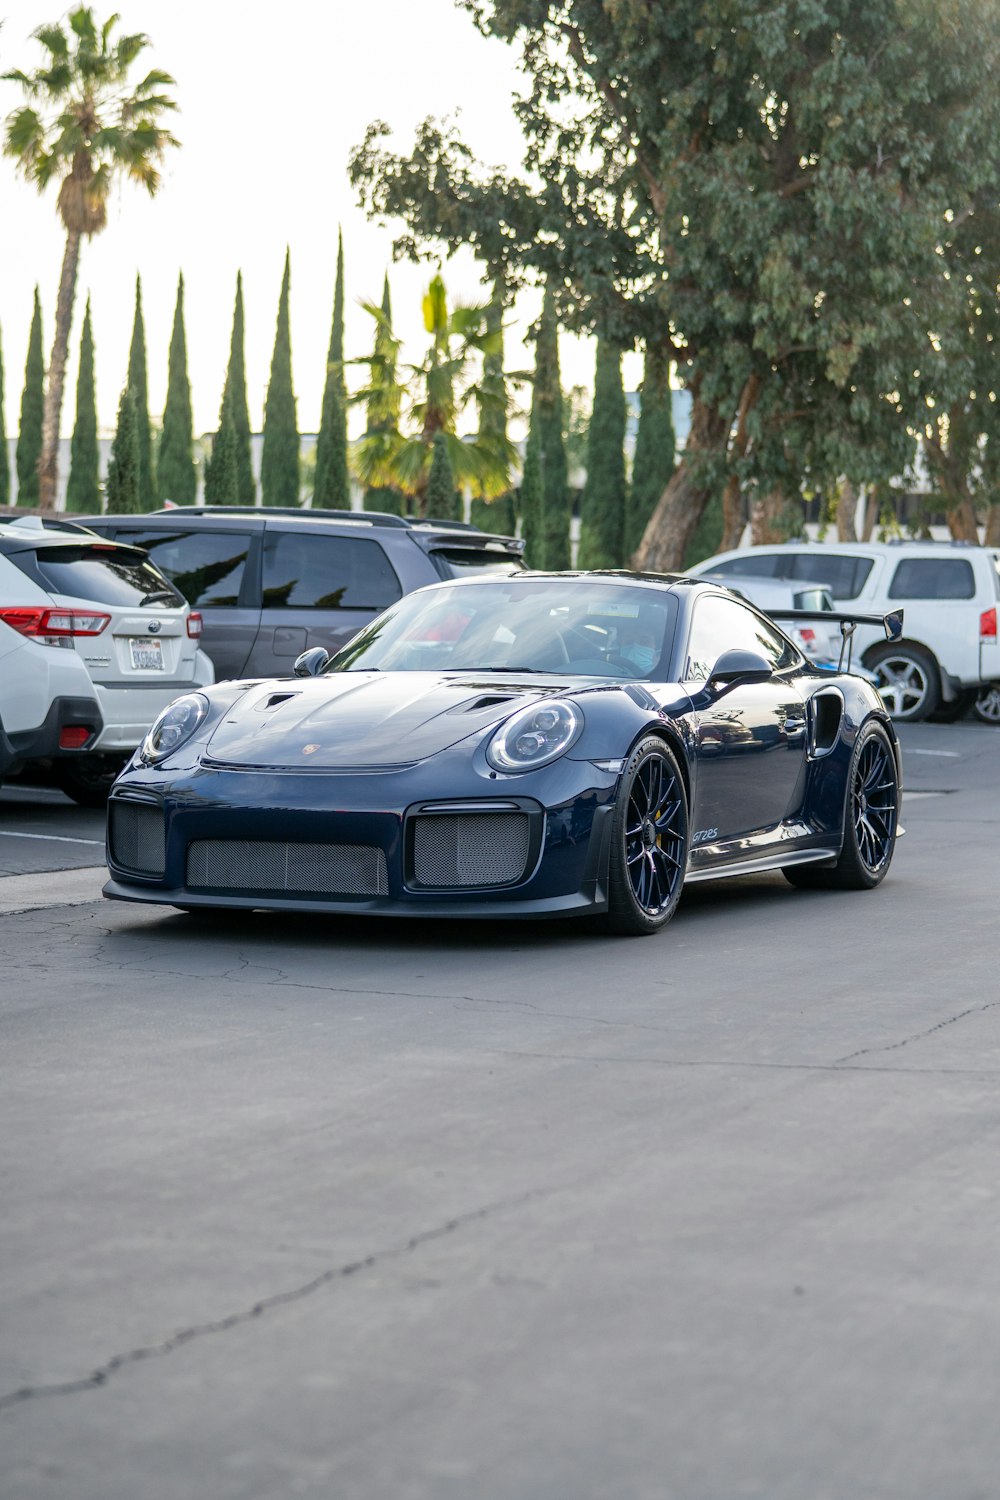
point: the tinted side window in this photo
(843, 575)
(933, 578)
(760, 565)
(305, 571)
(724, 625)
(207, 566)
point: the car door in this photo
(751, 737)
(317, 589)
(215, 570)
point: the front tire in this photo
(871, 820)
(649, 842)
(908, 679)
(987, 705)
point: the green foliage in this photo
(4, 457)
(496, 514)
(235, 393)
(222, 473)
(429, 402)
(83, 492)
(279, 473)
(790, 189)
(547, 420)
(442, 500)
(383, 400)
(654, 446)
(707, 537)
(178, 480)
(139, 387)
(331, 485)
(602, 508)
(29, 433)
(125, 463)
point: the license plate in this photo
(147, 656)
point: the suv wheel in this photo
(987, 705)
(908, 679)
(89, 779)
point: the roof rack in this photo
(373, 517)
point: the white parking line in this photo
(950, 754)
(51, 838)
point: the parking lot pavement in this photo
(41, 829)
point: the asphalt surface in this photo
(332, 1209)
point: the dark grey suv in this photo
(272, 583)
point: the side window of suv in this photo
(843, 574)
(933, 578)
(207, 566)
(760, 565)
(307, 571)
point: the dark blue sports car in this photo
(515, 746)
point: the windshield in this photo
(560, 625)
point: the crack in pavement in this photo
(919, 1036)
(737, 1064)
(100, 1377)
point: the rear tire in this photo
(908, 679)
(649, 842)
(871, 820)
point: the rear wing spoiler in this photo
(892, 624)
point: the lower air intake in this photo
(459, 849)
(270, 867)
(136, 837)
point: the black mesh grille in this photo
(136, 836)
(306, 869)
(456, 849)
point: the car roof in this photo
(459, 533)
(894, 548)
(20, 537)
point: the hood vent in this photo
(274, 701)
(489, 702)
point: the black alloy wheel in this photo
(89, 779)
(871, 820)
(649, 841)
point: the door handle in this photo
(794, 728)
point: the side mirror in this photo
(311, 662)
(739, 666)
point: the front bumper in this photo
(568, 807)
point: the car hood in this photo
(366, 720)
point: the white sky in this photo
(271, 103)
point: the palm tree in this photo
(429, 400)
(84, 126)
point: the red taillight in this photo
(74, 736)
(31, 621)
(807, 634)
(194, 624)
(988, 625)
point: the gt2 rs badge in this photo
(704, 835)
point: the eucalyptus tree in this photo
(770, 188)
(86, 125)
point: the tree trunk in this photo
(992, 538)
(733, 519)
(871, 513)
(847, 504)
(48, 462)
(680, 507)
(765, 519)
(962, 521)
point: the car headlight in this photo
(534, 736)
(175, 724)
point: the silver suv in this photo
(949, 593)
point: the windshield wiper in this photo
(159, 594)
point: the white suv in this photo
(949, 593)
(48, 704)
(63, 589)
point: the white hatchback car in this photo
(65, 589)
(48, 703)
(949, 593)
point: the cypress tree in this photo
(83, 492)
(531, 501)
(4, 458)
(655, 446)
(547, 415)
(382, 497)
(331, 485)
(125, 464)
(279, 470)
(442, 500)
(602, 508)
(222, 474)
(178, 480)
(236, 382)
(494, 515)
(139, 386)
(29, 435)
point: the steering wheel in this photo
(628, 668)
